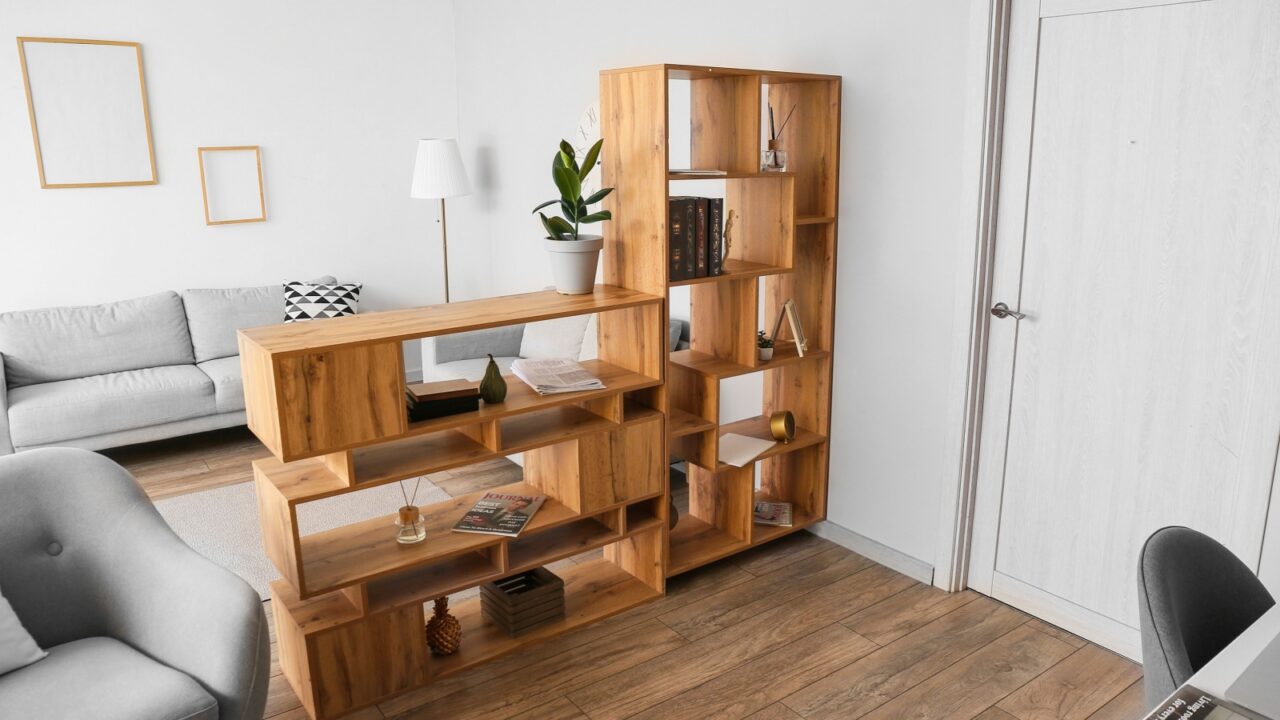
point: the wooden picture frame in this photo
(87, 126)
(233, 198)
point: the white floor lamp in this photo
(438, 174)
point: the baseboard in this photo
(893, 559)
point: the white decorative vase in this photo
(573, 263)
(766, 354)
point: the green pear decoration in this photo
(493, 389)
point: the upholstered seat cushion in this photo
(70, 409)
(99, 678)
(214, 315)
(228, 385)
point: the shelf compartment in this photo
(711, 366)
(593, 591)
(681, 423)
(431, 581)
(695, 542)
(368, 550)
(634, 412)
(800, 519)
(815, 220)
(644, 515)
(758, 427)
(678, 175)
(414, 456)
(413, 323)
(523, 399)
(546, 427)
(735, 270)
(561, 542)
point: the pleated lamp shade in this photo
(438, 171)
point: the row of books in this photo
(695, 246)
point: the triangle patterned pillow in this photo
(312, 301)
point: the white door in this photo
(1139, 231)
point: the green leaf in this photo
(549, 202)
(596, 217)
(598, 195)
(589, 162)
(569, 185)
(567, 149)
(563, 229)
(571, 213)
(546, 224)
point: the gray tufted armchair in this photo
(138, 625)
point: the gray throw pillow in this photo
(17, 649)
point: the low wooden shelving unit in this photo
(327, 398)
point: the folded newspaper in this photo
(550, 376)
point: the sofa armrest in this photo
(499, 342)
(6, 440)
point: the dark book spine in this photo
(690, 237)
(715, 236)
(677, 229)
(700, 239)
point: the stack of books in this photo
(696, 242)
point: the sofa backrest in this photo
(41, 346)
(214, 316)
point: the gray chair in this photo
(138, 625)
(1194, 598)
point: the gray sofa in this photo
(138, 626)
(126, 372)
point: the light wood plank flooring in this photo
(801, 628)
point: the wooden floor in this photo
(801, 628)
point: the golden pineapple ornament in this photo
(444, 632)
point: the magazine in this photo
(549, 376)
(772, 513)
(500, 514)
(1190, 703)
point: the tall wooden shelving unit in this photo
(327, 398)
(785, 233)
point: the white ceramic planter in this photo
(766, 354)
(573, 263)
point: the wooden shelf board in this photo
(414, 456)
(694, 543)
(764, 533)
(677, 175)
(593, 591)
(523, 399)
(640, 517)
(414, 323)
(565, 541)
(316, 614)
(302, 479)
(734, 270)
(553, 425)
(431, 581)
(758, 427)
(815, 219)
(681, 423)
(634, 413)
(711, 366)
(368, 550)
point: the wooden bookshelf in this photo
(784, 248)
(327, 399)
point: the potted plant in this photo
(764, 346)
(574, 255)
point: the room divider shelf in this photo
(758, 427)
(735, 270)
(696, 542)
(718, 367)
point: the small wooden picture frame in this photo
(87, 101)
(231, 184)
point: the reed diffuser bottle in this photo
(411, 528)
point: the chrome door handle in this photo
(1001, 310)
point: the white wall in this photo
(336, 93)
(525, 74)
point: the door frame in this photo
(986, 91)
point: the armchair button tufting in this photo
(55, 548)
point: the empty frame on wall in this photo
(231, 180)
(87, 100)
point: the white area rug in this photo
(222, 524)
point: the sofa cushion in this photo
(100, 678)
(215, 315)
(17, 648)
(42, 346)
(318, 301)
(558, 338)
(472, 369)
(84, 407)
(228, 385)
